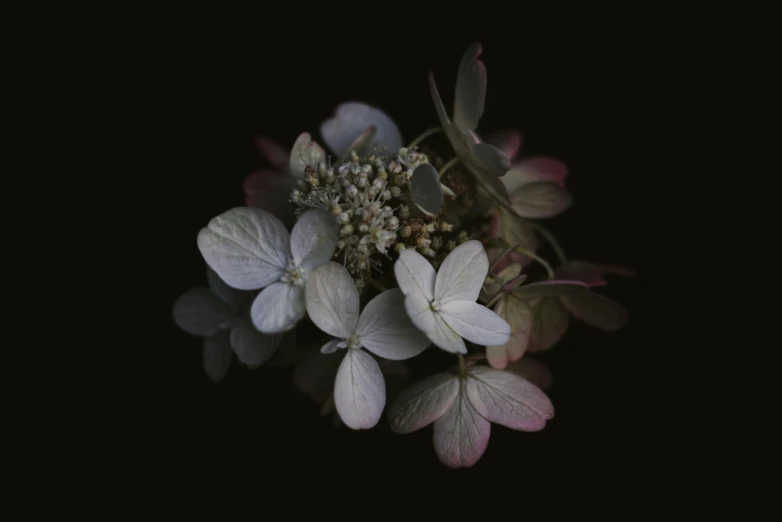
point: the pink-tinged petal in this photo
(549, 324)
(541, 199)
(508, 399)
(534, 371)
(511, 258)
(507, 140)
(461, 435)
(592, 274)
(533, 170)
(277, 155)
(423, 403)
(596, 310)
(271, 191)
(520, 317)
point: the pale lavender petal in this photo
(314, 238)
(332, 300)
(475, 323)
(462, 274)
(247, 247)
(359, 390)
(278, 308)
(461, 435)
(385, 329)
(432, 324)
(251, 346)
(414, 274)
(351, 120)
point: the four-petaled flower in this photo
(382, 328)
(463, 408)
(442, 305)
(220, 315)
(250, 249)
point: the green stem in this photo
(539, 259)
(451, 163)
(462, 371)
(552, 240)
(425, 134)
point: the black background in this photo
(586, 103)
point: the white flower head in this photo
(218, 314)
(463, 409)
(443, 306)
(250, 249)
(382, 328)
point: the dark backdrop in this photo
(585, 103)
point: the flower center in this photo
(435, 306)
(354, 342)
(294, 275)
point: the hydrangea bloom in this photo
(327, 229)
(463, 407)
(443, 305)
(382, 328)
(250, 249)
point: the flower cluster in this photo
(438, 244)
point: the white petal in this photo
(549, 325)
(461, 435)
(332, 300)
(385, 329)
(423, 403)
(462, 274)
(542, 199)
(314, 238)
(414, 274)
(278, 308)
(508, 399)
(425, 189)
(596, 310)
(216, 356)
(305, 153)
(476, 323)
(550, 288)
(251, 346)
(470, 89)
(359, 391)
(432, 325)
(352, 119)
(200, 312)
(519, 316)
(331, 346)
(247, 247)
